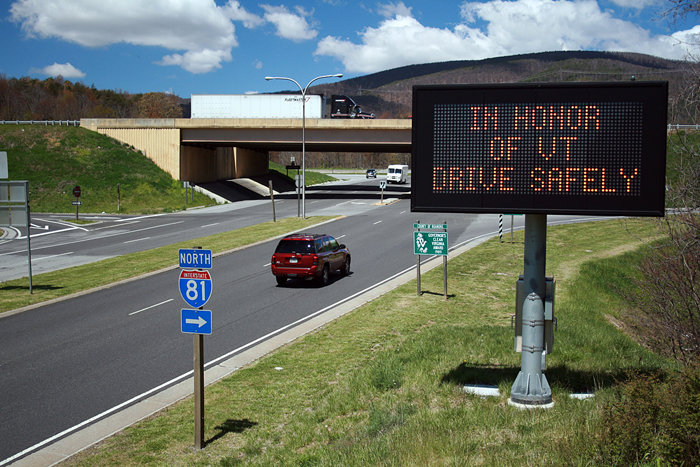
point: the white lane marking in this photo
(137, 240)
(52, 256)
(140, 217)
(152, 306)
(209, 225)
(268, 264)
(378, 222)
(338, 238)
(116, 225)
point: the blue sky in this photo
(228, 47)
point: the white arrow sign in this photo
(199, 321)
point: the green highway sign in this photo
(430, 226)
(430, 243)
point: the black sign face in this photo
(578, 148)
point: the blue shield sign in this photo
(195, 321)
(194, 258)
(195, 287)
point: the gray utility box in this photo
(549, 320)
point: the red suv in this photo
(309, 256)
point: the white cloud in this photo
(63, 69)
(257, 64)
(496, 28)
(236, 12)
(391, 10)
(638, 4)
(198, 27)
(290, 26)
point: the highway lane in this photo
(57, 244)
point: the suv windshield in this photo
(295, 246)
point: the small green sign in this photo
(430, 226)
(430, 243)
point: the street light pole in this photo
(303, 132)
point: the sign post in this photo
(195, 287)
(77, 203)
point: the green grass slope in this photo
(55, 159)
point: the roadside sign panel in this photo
(430, 226)
(382, 184)
(195, 321)
(195, 287)
(550, 148)
(430, 243)
(194, 258)
(76, 191)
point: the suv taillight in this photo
(273, 259)
(315, 260)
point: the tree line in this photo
(60, 99)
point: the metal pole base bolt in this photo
(531, 389)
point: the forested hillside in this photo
(387, 94)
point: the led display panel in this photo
(575, 148)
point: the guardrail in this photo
(41, 122)
(678, 126)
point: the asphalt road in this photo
(57, 244)
(65, 363)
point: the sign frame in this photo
(430, 243)
(441, 111)
(194, 255)
(188, 326)
(203, 282)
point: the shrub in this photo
(652, 419)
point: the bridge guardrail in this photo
(41, 122)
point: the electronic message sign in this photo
(576, 148)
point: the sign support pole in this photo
(418, 269)
(29, 243)
(199, 391)
(444, 269)
(531, 388)
(272, 198)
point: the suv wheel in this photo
(346, 269)
(281, 280)
(325, 276)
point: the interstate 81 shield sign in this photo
(195, 287)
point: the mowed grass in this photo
(383, 385)
(47, 286)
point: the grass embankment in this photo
(55, 159)
(47, 286)
(383, 384)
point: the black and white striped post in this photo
(500, 228)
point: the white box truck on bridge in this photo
(256, 106)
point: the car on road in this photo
(371, 173)
(309, 256)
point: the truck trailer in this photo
(256, 106)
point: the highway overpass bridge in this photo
(204, 150)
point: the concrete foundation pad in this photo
(530, 406)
